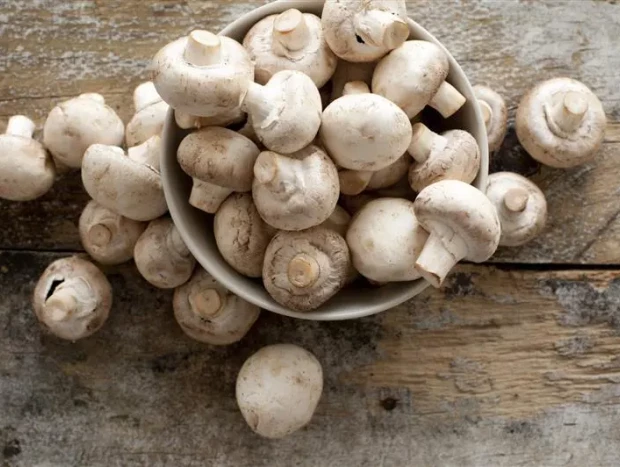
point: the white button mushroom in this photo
(150, 115)
(347, 72)
(297, 191)
(209, 313)
(414, 76)
(286, 112)
(278, 389)
(203, 74)
(106, 236)
(364, 30)
(162, 257)
(561, 123)
(339, 222)
(191, 122)
(291, 40)
(26, 170)
(521, 206)
(74, 125)
(72, 298)
(363, 131)
(453, 155)
(495, 115)
(390, 175)
(241, 234)
(462, 223)
(220, 161)
(385, 239)
(302, 270)
(128, 184)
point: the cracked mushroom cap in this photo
(291, 40)
(364, 30)
(128, 184)
(414, 76)
(74, 125)
(462, 223)
(150, 115)
(297, 191)
(302, 270)
(26, 170)
(72, 298)
(561, 123)
(106, 236)
(521, 206)
(241, 234)
(453, 155)
(278, 389)
(385, 240)
(495, 115)
(209, 313)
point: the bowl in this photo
(196, 227)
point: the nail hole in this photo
(359, 39)
(55, 284)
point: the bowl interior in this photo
(196, 227)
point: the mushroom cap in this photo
(162, 257)
(204, 91)
(209, 313)
(302, 270)
(128, 187)
(278, 389)
(241, 234)
(347, 32)
(74, 125)
(390, 175)
(455, 206)
(353, 203)
(552, 146)
(106, 236)
(270, 56)
(296, 191)
(385, 239)
(90, 288)
(365, 132)
(347, 72)
(219, 156)
(338, 221)
(191, 122)
(411, 75)
(147, 122)
(523, 221)
(458, 160)
(498, 123)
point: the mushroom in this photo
(286, 112)
(291, 40)
(241, 235)
(26, 170)
(462, 223)
(297, 191)
(247, 130)
(278, 389)
(353, 182)
(74, 125)
(128, 184)
(302, 270)
(386, 239)
(150, 115)
(106, 236)
(364, 30)
(453, 155)
(161, 255)
(363, 131)
(561, 123)
(191, 122)
(495, 114)
(390, 175)
(338, 221)
(203, 74)
(72, 298)
(521, 206)
(414, 76)
(209, 313)
(220, 161)
(354, 203)
(347, 72)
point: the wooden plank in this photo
(502, 368)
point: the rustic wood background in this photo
(511, 364)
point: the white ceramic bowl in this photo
(196, 227)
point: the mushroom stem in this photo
(20, 126)
(93, 96)
(208, 197)
(61, 305)
(353, 182)
(380, 28)
(355, 87)
(447, 101)
(273, 169)
(186, 121)
(202, 48)
(145, 95)
(259, 102)
(568, 112)
(424, 140)
(146, 153)
(303, 270)
(207, 303)
(100, 235)
(290, 31)
(515, 199)
(487, 112)
(443, 249)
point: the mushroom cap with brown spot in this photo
(498, 125)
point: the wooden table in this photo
(513, 363)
